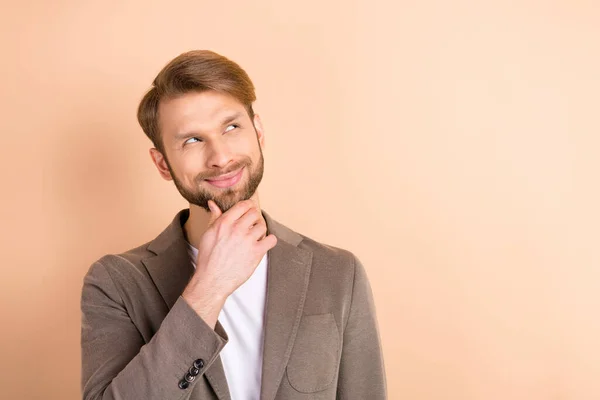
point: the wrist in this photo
(204, 294)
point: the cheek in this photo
(252, 147)
(240, 144)
(189, 166)
(244, 147)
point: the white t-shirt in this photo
(243, 318)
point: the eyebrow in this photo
(226, 120)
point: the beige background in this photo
(451, 145)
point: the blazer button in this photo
(189, 378)
(183, 384)
(194, 371)
(199, 363)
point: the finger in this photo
(267, 243)
(235, 212)
(250, 218)
(259, 230)
(215, 212)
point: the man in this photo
(241, 307)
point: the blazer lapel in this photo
(287, 282)
(171, 270)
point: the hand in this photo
(228, 253)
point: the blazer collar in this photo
(288, 272)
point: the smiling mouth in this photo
(226, 180)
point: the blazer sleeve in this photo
(116, 361)
(362, 371)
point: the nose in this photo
(218, 154)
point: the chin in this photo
(228, 198)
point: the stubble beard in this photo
(224, 198)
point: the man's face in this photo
(212, 148)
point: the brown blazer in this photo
(139, 337)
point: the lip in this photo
(226, 180)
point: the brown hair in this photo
(198, 71)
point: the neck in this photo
(197, 222)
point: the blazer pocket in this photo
(314, 359)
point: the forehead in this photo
(196, 111)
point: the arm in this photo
(116, 362)
(362, 372)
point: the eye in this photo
(232, 126)
(193, 138)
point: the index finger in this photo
(236, 212)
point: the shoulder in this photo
(327, 253)
(331, 264)
(328, 260)
(117, 266)
(335, 272)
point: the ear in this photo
(161, 164)
(259, 130)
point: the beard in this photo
(224, 198)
